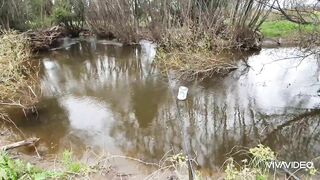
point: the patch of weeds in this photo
(193, 65)
(262, 153)
(73, 166)
(178, 158)
(180, 167)
(194, 55)
(39, 23)
(255, 168)
(284, 29)
(16, 169)
(246, 172)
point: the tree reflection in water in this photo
(112, 97)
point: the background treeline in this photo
(130, 19)
(206, 24)
(34, 14)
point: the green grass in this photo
(39, 23)
(283, 29)
(73, 166)
(18, 170)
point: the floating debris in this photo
(183, 93)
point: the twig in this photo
(134, 159)
(28, 142)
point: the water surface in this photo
(105, 96)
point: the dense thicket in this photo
(34, 14)
(131, 19)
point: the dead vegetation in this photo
(18, 76)
(190, 66)
(189, 33)
(129, 21)
(45, 39)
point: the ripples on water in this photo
(110, 97)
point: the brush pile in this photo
(43, 40)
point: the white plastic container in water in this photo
(183, 93)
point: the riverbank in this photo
(29, 162)
(17, 164)
(278, 32)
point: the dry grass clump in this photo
(194, 65)
(194, 55)
(17, 74)
(214, 40)
(197, 54)
(185, 39)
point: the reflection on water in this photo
(111, 97)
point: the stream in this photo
(105, 96)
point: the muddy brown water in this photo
(108, 97)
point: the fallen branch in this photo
(27, 142)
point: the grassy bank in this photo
(284, 29)
(17, 169)
(174, 167)
(67, 166)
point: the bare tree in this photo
(296, 11)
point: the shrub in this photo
(71, 14)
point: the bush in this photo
(71, 14)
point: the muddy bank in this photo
(92, 164)
(99, 166)
(44, 40)
(279, 42)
